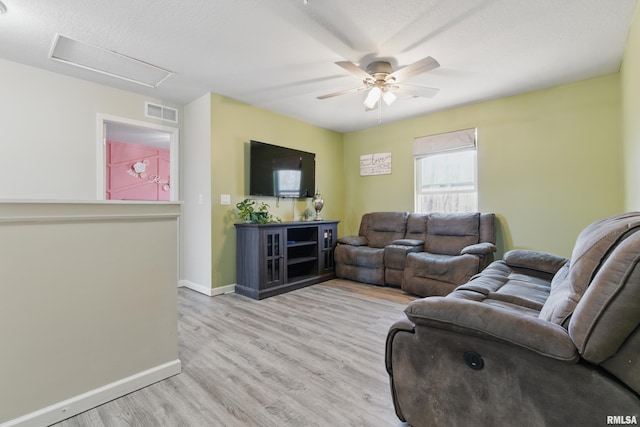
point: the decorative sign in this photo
(139, 170)
(375, 164)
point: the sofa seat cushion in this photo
(451, 269)
(361, 256)
(500, 285)
(450, 233)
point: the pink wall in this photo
(137, 172)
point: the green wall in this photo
(630, 76)
(233, 125)
(549, 162)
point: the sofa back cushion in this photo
(487, 228)
(605, 325)
(555, 308)
(364, 223)
(416, 227)
(592, 249)
(448, 234)
(382, 228)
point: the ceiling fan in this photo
(383, 83)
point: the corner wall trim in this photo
(212, 292)
(85, 401)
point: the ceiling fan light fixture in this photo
(373, 97)
(382, 81)
(388, 97)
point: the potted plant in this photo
(261, 213)
(250, 210)
(246, 209)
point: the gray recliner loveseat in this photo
(534, 340)
(440, 250)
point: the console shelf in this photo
(295, 244)
(299, 260)
(280, 257)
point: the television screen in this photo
(281, 172)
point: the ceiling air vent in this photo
(161, 112)
(104, 61)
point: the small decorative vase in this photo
(318, 203)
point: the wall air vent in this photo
(105, 61)
(161, 112)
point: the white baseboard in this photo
(212, 292)
(85, 401)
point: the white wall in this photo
(84, 323)
(196, 195)
(48, 135)
(78, 330)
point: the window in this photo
(446, 172)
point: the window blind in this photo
(449, 141)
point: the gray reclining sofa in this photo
(534, 340)
(425, 254)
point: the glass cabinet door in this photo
(327, 245)
(273, 257)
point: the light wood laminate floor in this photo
(311, 357)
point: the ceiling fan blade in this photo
(375, 107)
(413, 90)
(342, 92)
(418, 67)
(355, 70)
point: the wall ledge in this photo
(66, 211)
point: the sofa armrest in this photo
(402, 325)
(353, 240)
(479, 319)
(534, 260)
(395, 255)
(408, 242)
(479, 249)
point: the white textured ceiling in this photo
(280, 54)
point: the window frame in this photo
(441, 144)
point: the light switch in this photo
(225, 199)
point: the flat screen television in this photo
(281, 172)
